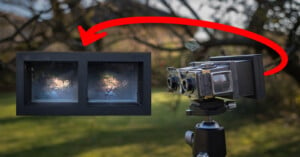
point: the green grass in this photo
(142, 136)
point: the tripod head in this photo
(208, 107)
(208, 137)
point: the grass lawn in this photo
(143, 136)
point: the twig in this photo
(184, 2)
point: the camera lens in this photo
(184, 83)
(169, 81)
(172, 82)
(188, 84)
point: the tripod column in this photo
(209, 140)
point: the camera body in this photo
(224, 76)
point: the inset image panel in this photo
(64, 83)
(52, 82)
(113, 82)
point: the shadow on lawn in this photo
(161, 133)
(10, 120)
(98, 139)
(290, 148)
(158, 136)
(229, 120)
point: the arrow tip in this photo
(88, 37)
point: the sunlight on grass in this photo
(162, 97)
(158, 135)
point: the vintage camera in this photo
(224, 76)
(212, 87)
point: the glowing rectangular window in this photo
(53, 81)
(112, 82)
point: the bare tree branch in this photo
(157, 47)
(184, 2)
(20, 29)
(188, 31)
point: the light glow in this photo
(56, 83)
(110, 83)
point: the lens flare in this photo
(110, 83)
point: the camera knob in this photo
(231, 105)
(202, 154)
(208, 65)
(189, 137)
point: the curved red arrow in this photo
(91, 35)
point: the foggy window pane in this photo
(53, 82)
(112, 82)
(221, 82)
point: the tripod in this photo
(208, 138)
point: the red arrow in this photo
(92, 35)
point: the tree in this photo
(278, 20)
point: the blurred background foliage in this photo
(51, 25)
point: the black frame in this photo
(83, 107)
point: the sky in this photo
(20, 7)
